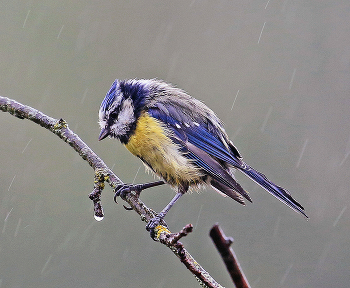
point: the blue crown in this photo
(110, 96)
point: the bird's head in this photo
(121, 108)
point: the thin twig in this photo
(229, 257)
(102, 174)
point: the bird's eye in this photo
(113, 116)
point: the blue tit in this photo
(180, 139)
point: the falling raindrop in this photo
(13, 179)
(4, 227)
(27, 145)
(25, 20)
(292, 79)
(8, 214)
(199, 214)
(59, 33)
(137, 172)
(266, 119)
(286, 273)
(339, 216)
(47, 263)
(84, 95)
(234, 100)
(344, 159)
(262, 29)
(302, 153)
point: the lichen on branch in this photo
(104, 174)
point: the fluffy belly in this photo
(150, 143)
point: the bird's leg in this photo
(166, 209)
(123, 189)
(155, 221)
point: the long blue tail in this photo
(277, 191)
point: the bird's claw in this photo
(122, 190)
(153, 224)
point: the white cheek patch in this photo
(101, 119)
(125, 118)
(102, 124)
(126, 114)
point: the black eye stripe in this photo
(114, 115)
(115, 112)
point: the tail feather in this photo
(235, 194)
(277, 191)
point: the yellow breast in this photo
(150, 143)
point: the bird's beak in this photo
(104, 133)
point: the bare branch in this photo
(103, 174)
(223, 244)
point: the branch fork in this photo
(103, 174)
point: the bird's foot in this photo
(123, 189)
(156, 225)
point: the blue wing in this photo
(213, 146)
(200, 139)
(195, 151)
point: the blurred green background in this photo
(285, 65)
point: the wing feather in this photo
(209, 147)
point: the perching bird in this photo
(180, 139)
